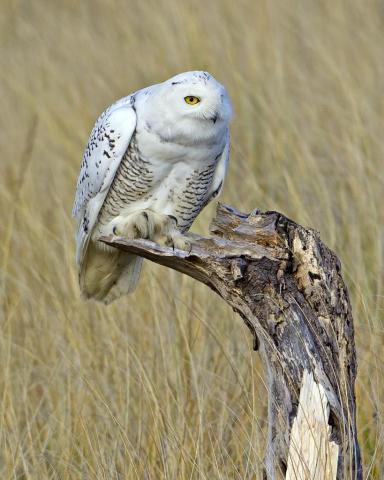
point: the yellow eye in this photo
(191, 100)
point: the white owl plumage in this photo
(154, 159)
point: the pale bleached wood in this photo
(287, 287)
(312, 454)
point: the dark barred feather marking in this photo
(132, 181)
(194, 197)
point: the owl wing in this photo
(106, 146)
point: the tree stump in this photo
(287, 286)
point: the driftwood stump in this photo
(287, 286)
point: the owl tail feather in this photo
(106, 275)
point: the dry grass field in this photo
(164, 384)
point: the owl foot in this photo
(178, 241)
(169, 235)
(137, 225)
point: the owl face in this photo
(197, 95)
(188, 100)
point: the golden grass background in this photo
(164, 384)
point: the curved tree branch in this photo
(287, 286)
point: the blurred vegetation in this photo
(164, 384)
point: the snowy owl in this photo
(154, 160)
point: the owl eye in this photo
(191, 100)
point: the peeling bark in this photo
(287, 286)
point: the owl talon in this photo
(173, 218)
(179, 241)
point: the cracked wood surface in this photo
(287, 286)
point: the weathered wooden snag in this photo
(287, 286)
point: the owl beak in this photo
(214, 118)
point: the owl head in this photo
(198, 95)
(189, 100)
